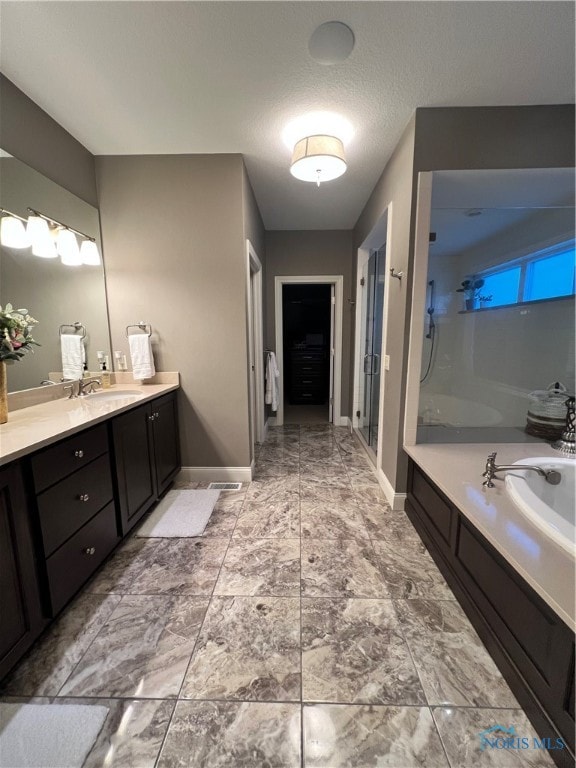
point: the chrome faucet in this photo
(87, 385)
(550, 475)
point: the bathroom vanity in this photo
(75, 477)
(516, 587)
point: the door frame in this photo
(338, 282)
(255, 346)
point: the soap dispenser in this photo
(105, 376)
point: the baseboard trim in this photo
(216, 474)
(341, 421)
(396, 500)
(271, 422)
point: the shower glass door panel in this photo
(372, 307)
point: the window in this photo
(545, 274)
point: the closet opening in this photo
(307, 321)
(308, 349)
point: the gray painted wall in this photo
(393, 188)
(173, 237)
(446, 139)
(322, 252)
(31, 135)
(450, 138)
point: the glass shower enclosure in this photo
(372, 316)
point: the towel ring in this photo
(77, 326)
(146, 327)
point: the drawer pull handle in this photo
(79, 454)
(90, 551)
(84, 497)
(309, 368)
(307, 382)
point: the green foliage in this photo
(15, 333)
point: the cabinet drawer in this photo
(66, 506)
(308, 365)
(57, 461)
(71, 565)
(432, 504)
(307, 356)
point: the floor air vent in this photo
(225, 486)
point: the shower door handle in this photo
(367, 365)
(376, 367)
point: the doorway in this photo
(309, 348)
(306, 331)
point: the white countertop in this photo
(456, 469)
(29, 429)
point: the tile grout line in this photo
(178, 698)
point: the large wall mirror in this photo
(55, 294)
(499, 306)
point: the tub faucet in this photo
(550, 475)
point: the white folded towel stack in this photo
(73, 355)
(141, 355)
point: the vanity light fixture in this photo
(12, 230)
(89, 253)
(67, 247)
(50, 236)
(318, 158)
(40, 238)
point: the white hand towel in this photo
(73, 355)
(272, 376)
(141, 355)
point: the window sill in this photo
(515, 304)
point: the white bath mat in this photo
(180, 514)
(48, 735)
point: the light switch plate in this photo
(386, 362)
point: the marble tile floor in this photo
(308, 627)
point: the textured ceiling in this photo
(203, 77)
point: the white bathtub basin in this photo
(106, 396)
(550, 507)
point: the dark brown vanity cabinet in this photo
(76, 511)
(64, 508)
(147, 456)
(20, 608)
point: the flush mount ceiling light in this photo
(318, 158)
(331, 43)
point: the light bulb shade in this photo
(13, 233)
(318, 158)
(89, 253)
(68, 249)
(43, 244)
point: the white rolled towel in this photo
(141, 356)
(73, 355)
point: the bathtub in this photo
(549, 507)
(451, 411)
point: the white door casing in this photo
(255, 344)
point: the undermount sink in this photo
(119, 394)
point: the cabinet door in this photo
(166, 440)
(134, 457)
(20, 610)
